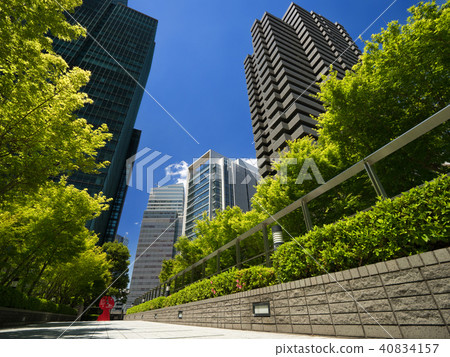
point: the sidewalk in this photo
(135, 330)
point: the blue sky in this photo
(198, 76)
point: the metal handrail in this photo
(412, 134)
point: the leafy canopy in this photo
(40, 136)
(402, 79)
(117, 255)
(44, 243)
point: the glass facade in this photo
(213, 185)
(116, 206)
(125, 36)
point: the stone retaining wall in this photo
(403, 298)
(10, 317)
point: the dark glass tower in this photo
(290, 54)
(125, 36)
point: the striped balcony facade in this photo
(290, 55)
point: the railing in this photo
(366, 164)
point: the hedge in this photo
(416, 222)
(226, 283)
(11, 297)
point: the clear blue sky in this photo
(198, 76)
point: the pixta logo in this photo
(146, 162)
(143, 169)
(309, 166)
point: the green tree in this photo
(402, 79)
(78, 281)
(166, 270)
(46, 229)
(40, 137)
(117, 256)
(211, 234)
(44, 242)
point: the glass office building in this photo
(161, 227)
(118, 51)
(216, 182)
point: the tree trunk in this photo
(33, 285)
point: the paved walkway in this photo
(134, 330)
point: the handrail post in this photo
(379, 189)
(266, 245)
(238, 255)
(203, 269)
(218, 262)
(307, 216)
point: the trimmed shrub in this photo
(10, 297)
(416, 222)
(148, 305)
(226, 283)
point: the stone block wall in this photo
(402, 298)
(10, 317)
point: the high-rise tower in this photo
(215, 182)
(290, 54)
(161, 227)
(118, 51)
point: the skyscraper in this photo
(215, 182)
(290, 54)
(118, 51)
(121, 239)
(161, 226)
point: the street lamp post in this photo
(277, 235)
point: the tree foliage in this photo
(45, 247)
(117, 255)
(45, 228)
(402, 79)
(211, 234)
(40, 136)
(78, 280)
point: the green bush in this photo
(148, 305)
(10, 297)
(226, 283)
(416, 222)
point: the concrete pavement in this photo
(134, 330)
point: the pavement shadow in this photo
(53, 330)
